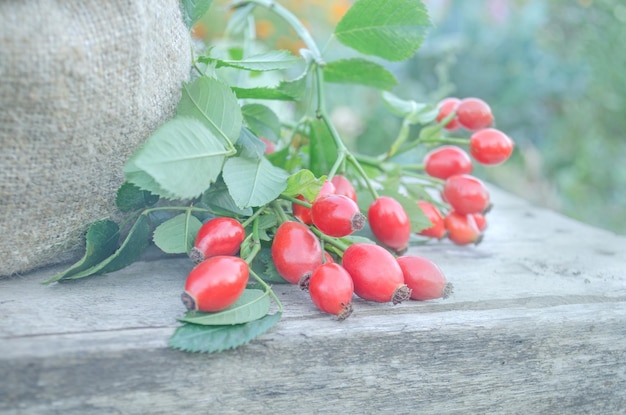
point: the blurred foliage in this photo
(553, 71)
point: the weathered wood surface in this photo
(537, 324)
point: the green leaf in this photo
(250, 146)
(194, 10)
(270, 61)
(304, 183)
(239, 19)
(323, 150)
(177, 235)
(262, 121)
(253, 182)
(413, 111)
(391, 29)
(136, 242)
(209, 339)
(359, 71)
(100, 241)
(400, 107)
(130, 197)
(263, 265)
(219, 200)
(214, 103)
(285, 91)
(182, 156)
(143, 180)
(252, 305)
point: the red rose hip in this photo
(215, 283)
(217, 236)
(446, 107)
(303, 213)
(424, 278)
(390, 223)
(376, 274)
(344, 187)
(474, 114)
(331, 290)
(296, 251)
(462, 229)
(446, 161)
(337, 215)
(438, 228)
(466, 194)
(490, 146)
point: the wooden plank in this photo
(537, 324)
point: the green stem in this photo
(253, 217)
(355, 163)
(279, 211)
(296, 201)
(403, 134)
(267, 289)
(341, 245)
(424, 177)
(447, 140)
(292, 21)
(416, 167)
(342, 151)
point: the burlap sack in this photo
(82, 84)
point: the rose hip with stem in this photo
(376, 274)
(303, 213)
(474, 114)
(424, 278)
(389, 223)
(438, 228)
(466, 194)
(462, 229)
(215, 283)
(217, 236)
(446, 161)
(296, 251)
(446, 107)
(490, 146)
(331, 290)
(337, 215)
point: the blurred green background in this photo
(553, 71)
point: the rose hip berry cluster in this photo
(310, 248)
(220, 277)
(465, 198)
(368, 270)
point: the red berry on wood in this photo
(337, 215)
(438, 228)
(376, 274)
(466, 194)
(217, 236)
(424, 278)
(462, 229)
(331, 290)
(215, 283)
(296, 251)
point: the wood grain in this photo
(537, 324)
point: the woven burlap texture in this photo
(82, 84)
